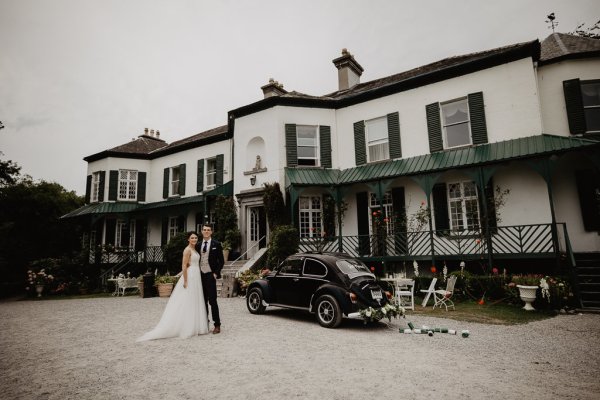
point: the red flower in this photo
(477, 241)
(385, 220)
(372, 269)
(312, 229)
(433, 269)
(481, 302)
(374, 213)
(495, 271)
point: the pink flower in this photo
(495, 271)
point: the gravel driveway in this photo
(85, 349)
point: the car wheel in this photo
(254, 301)
(329, 313)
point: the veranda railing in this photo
(535, 240)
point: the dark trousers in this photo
(209, 287)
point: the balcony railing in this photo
(540, 240)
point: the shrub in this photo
(173, 251)
(274, 205)
(284, 242)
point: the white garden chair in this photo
(127, 283)
(442, 296)
(428, 292)
(405, 293)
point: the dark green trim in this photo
(219, 174)
(88, 189)
(574, 104)
(113, 185)
(477, 116)
(325, 146)
(360, 149)
(362, 220)
(101, 187)
(166, 174)
(141, 186)
(434, 127)
(291, 145)
(393, 122)
(200, 176)
(182, 179)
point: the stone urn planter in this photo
(141, 288)
(39, 289)
(164, 289)
(528, 295)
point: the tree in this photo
(591, 32)
(30, 228)
(9, 173)
(274, 205)
(226, 222)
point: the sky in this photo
(81, 76)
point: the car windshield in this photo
(353, 268)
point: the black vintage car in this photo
(330, 285)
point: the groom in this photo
(211, 263)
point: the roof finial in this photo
(550, 20)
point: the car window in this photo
(353, 268)
(314, 267)
(291, 266)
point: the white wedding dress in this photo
(185, 314)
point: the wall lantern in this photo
(253, 180)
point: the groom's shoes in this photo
(216, 330)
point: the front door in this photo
(257, 229)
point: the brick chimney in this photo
(349, 71)
(273, 88)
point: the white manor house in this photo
(490, 157)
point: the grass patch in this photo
(495, 314)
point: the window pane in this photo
(458, 135)
(590, 93)
(293, 266)
(454, 191)
(455, 112)
(470, 189)
(307, 152)
(456, 214)
(472, 210)
(592, 119)
(379, 152)
(376, 129)
(312, 267)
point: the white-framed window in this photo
(311, 223)
(120, 227)
(456, 125)
(211, 173)
(376, 137)
(307, 139)
(590, 93)
(175, 175)
(381, 214)
(127, 184)
(174, 228)
(95, 187)
(463, 206)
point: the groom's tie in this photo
(204, 248)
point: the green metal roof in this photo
(102, 208)
(488, 153)
(225, 190)
(171, 202)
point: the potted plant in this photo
(38, 280)
(164, 284)
(527, 285)
(140, 283)
(226, 249)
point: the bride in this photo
(185, 314)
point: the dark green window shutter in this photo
(477, 115)
(329, 217)
(111, 225)
(219, 175)
(182, 179)
(166, 183)
(490, 222)
(140, 234)
(113, 185)
(325, 144)
(291, 146)
(399, 220)
(574, 103)
(141, 186)
(200, 176)
(588, 188)
(440, 209)
(434, 127)
(164, 231)
(393, 122)
(88, 189)
(181, 223)
(360, 149)
(125, 235)
(101, 185)
(362, 219)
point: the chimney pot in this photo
(349, 70)
(145, 131)
(157, 134)
(273, 88)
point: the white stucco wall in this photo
(550, 79)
